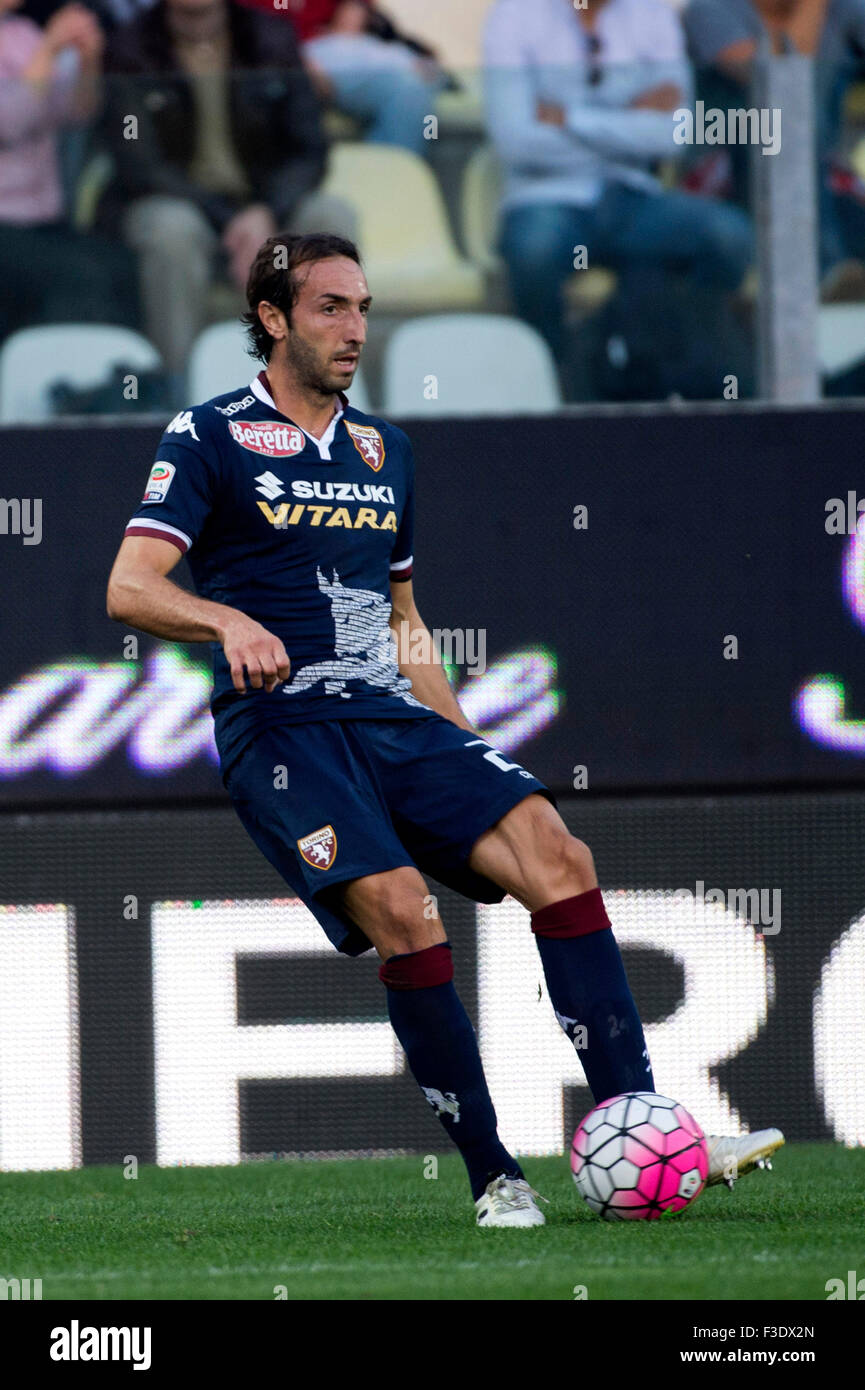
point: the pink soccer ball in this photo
(637, 1156)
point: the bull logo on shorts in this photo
(446, 1104)
(319, 848)
(368, 442)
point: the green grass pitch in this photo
(377, 1229)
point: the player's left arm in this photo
(416, 657)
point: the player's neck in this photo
(309, 409)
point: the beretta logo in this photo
(319, 848)
(268, 437)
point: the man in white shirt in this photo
(580, 105)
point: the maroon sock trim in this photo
(419, 969)
(578, 916)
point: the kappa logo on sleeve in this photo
(183, 423)
(319, 848)
(161, 475)
(368, 442)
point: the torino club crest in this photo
(368, 442)
(319, 848)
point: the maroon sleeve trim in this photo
(157, 535)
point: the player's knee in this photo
(570, 861)
(404, 922)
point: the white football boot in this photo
(509, 1202)
(731, 1158)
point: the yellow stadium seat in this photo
(857, 158)
(462, 110)
(411, 261)
(854, 103)
(479, 210)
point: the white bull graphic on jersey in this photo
(362, 642)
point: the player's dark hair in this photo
(274, 277)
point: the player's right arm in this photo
(141, 594)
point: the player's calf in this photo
(438, 1039)
(428, 1017)
(532, 854)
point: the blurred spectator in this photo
(365, 68)
(48, 271)
(40, 11)
(110, 13)
(727, 35)
(217, 140)
(580, 105)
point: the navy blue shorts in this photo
(328, 802)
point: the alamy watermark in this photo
(744, 126)
(760, 906)
(458, 646)
(20, 1290)
(21, 516)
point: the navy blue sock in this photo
(442, 1051)
(590, 993)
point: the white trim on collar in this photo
(258, 390)
(323, 444)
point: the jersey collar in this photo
(260, 388)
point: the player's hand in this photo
(252, 651)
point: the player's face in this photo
(328, 325)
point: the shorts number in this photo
(493, 757)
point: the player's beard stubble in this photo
(311, 367)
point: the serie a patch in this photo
(161, 475)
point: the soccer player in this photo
(296, 512)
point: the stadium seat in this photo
(409, 253)
(840, 337)
(339, 126)
(461, 111)
(92, 182)
(479, 210)
(83, 354)
(219, 362)
(469, 364)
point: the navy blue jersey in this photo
(302, 535)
